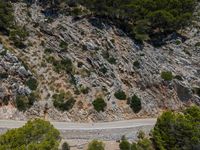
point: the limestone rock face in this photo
(184, 92)
(103, 60)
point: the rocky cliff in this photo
(102, 61)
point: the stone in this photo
(11, 58)
(184, 92)
(24, 90)
(90, 46)
(23, 72)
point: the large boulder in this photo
(183, 91)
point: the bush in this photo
(103, 69)
(109, 58)
(197, 44)
(96, 145)
(63, 101)
(125, 145)
(6, 16)
(18, 36)
(23, 102)
(178, 130)
(5, 100)
(135, 104)
(121, 95)
(63, 45)
(99, 104)
(32, 83)
(3, 75)
(65, 146)
(136, 64)
(142, 144)
(48, 50)
(63, 65)
(167, 75)
(34, 135)
(84, 90)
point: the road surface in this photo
(105, 131)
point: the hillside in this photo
(65, 63)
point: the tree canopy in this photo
(178, 131)
(34, 135)
(151, 15)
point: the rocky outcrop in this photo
(104, 61)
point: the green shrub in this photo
(136, 64)
(178, 42)
(178, 77)
(34, 135)
(142, 144)
(48, 51)
(196, 90)
(65, 146)
(135, 103)
(84, 90)
(112, 60)
(125, 145)
(103, 69)
(24, 102)
(96, 145)
(50, 59)
(99, 104)
(121, 95)
(63, 65)
(63, 101)
(6, 16)
(109, 58)
(5, 100)
(197, 44)
(18, 36)
(32, 83)
(167, 75)
(3, 52)
(3, 75)
(63, 45)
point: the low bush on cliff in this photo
(99, 104)
(63, 101)
(121, 95)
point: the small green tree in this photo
(32, 83)
(65, 146)
(24, 102)
(99, 104)
(96, 145)
(135, 103)
(125, 145)
(167, 75)
(63, 101)
(34, 135)
(178, 130)
(121, 95)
